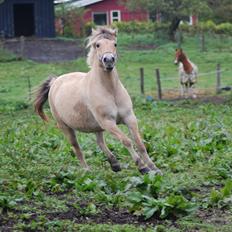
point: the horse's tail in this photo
(41, 96)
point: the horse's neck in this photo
(188, 68)
(108, 80)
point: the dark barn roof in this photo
(27, 17)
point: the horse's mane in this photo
(98, 34)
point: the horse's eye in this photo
(115, 45)
(98, 45)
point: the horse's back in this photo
(70, 77)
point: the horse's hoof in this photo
(86, 169)
(116, 168)
(144, 170)
(158, 172)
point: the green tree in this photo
(174, 11)
(72, 18)
(221, 10)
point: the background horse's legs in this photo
(182, 90)
(186, 88)
(70, 134)
(132, 124)
(192, 92)
(111, 158)
(110, 126)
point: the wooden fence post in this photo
(142, 81)
(203, 42)
(22, 46)
(158, 84)
(29, 88)
(179, 38)
(218, 79)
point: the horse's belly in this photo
(80, 118)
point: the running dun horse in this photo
(187, 72)
(95, 102)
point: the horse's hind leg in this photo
(186, 90)
(70, 134)
(111, 158)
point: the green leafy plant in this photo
(223, 197)
(148, 199)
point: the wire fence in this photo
(208, 83)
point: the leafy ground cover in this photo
(43, 188)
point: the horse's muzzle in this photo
(176, 62)
(108, 60)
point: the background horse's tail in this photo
(41, 96)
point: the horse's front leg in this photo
(115, 166)
(192, 92)
(110, 126)
(132, 124)
(181, 90)
(185, 86)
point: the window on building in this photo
(115, 16)
(100, 18)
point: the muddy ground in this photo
(46, 50)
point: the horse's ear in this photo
(115, 32)
(93, 31)
(180, 49)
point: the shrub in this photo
(88, 28)
(140, 27)
(224, 28)
(208, 26)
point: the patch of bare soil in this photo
(203, 96)
(109, 216)
(215, 216)
(104, 216)
(46, 50)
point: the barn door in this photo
(24, 19)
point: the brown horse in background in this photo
(95, 102)
(188, 72)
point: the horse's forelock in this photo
(101, 33)
(98, 34)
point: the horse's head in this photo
(103, 43)
(179, 56)
(107, 54)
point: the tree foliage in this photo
(221, 10)
(173, 11)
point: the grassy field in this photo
(43, 188)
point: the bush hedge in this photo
(149, 27)
(208, 26)
(158, 28)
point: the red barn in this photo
(104, 12)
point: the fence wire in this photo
(207, 84)
(199, 75)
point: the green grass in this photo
(13, 75)
(43, 188)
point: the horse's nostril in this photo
(105, 59)
(113, 59)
